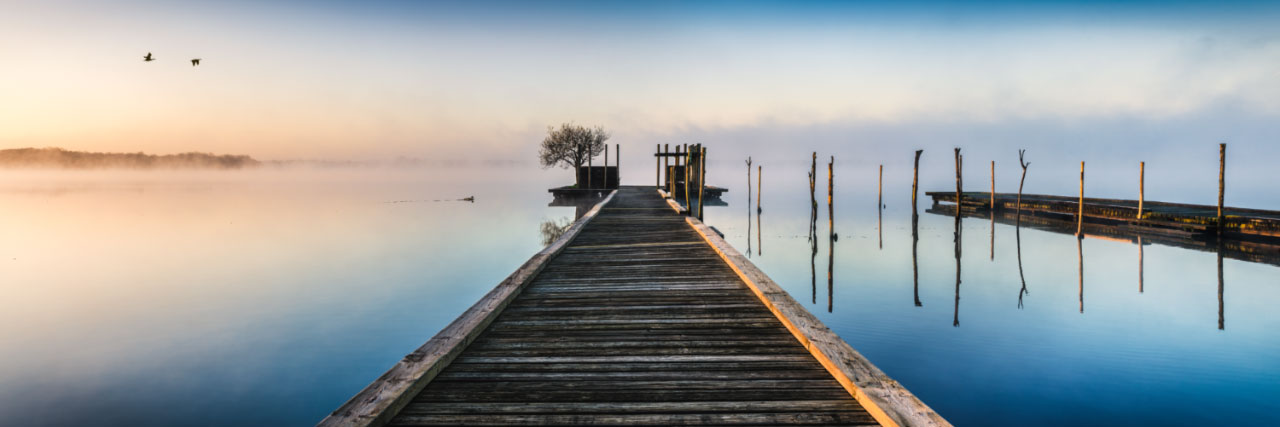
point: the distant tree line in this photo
(65, 159)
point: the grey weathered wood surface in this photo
(639, 320)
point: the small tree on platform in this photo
(570, 145)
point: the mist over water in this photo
(273, 295)
(242, 298)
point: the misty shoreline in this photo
(53, 158)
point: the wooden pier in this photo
(637, 315)
(1158, 218)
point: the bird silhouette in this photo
(148, 58)
(195, 62)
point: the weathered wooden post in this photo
(993, 185)
(831, 210)
(666, 166)
(880, 189)
(702, 179)
(688, 162)
(657, 167)
(1222, 183)
(813, 198)
(915, 180)
(605, 184)
(1080, 215)
(617, 162)
(589, 156)
(1142, 187)
(759, 190)
(1024, 165)
(959, 183)
(702, 184)
(675, 164)
(831, 233)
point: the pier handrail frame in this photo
(379, 402)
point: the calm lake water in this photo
(985, 352)
(271, 297)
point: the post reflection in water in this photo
(915, 266)
(955, 321)
(831, 233)
(993, 235)
(1140, 263)
(831, 261)
(759, 228)
(1080, 265)
(1017, 233)
(1221, 319)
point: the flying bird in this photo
(148, 58)
(195, 62)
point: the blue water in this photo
(1099, 354)
(271, 297)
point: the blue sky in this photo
(379, 79)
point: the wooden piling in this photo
(958, 182)
(657, 168)
(666, 166)
(1142, 186)
(993, 185)
(831, 233)
(831, 212)
(915, 180)
(617, 162)
(1021, 162)
(605, 184)
(688, 161)
(589, 156)
(702, 179)
(880, 189)
(1222, 183)
(813, 198)
(1080, 215)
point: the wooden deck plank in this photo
(637, 320)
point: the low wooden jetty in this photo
(1254, 250)
(637, 315)
(1158, 218)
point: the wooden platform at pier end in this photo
(637, 318)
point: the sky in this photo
(380, 79)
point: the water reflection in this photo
(1221, 318)
(552, 229)
(1080, 268)
(1250, 251)
(1017, 233)
(955, 320)
(915, 247)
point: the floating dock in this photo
(637, 315)
(1158, 218)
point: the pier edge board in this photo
(672, 202)
(886, 400)
(381, 400)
